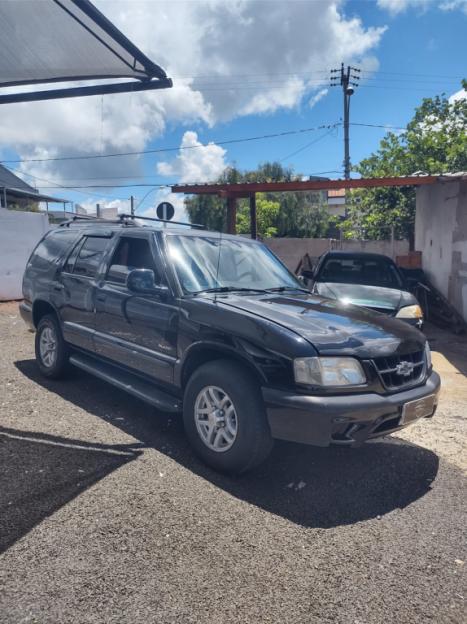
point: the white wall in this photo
(441, 236)
(19, 234)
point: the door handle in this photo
(59, 287)
(100, 297)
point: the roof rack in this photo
(196, 226)
(126, 219)
(92, 219)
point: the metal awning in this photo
(39, 197)
(55, 41)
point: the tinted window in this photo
(52, 248)
(131, 253)
(367, 271)
(90, 256)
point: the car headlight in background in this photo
(428, 355)
(411, 311)
(328, 371)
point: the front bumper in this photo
(349, 419)
(25, 310)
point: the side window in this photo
(90, 256)
(131, 253)
(52, 248)
(70, 261)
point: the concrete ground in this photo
(106, 516)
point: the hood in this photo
(331, 326)
(387, 300)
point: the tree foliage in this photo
(435, 141)
(299, 214)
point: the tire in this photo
(54, 363)
(245, 439)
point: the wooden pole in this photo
(253, 224)
(231, 214)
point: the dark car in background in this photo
(216, 327)
(366, 279)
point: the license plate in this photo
(418, 409)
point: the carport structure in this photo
(232, 192)
(59, 41)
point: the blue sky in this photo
(409, 49)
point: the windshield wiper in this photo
(224, 289)
(284, 288)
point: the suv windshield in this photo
(367, 271)
(205, 263)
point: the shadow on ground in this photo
(310, 486)
(40, 473)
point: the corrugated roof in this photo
(9, 180)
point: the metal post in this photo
(4, 198)
(253, 224)
(98, 211)
(231, 214)
(132, 205)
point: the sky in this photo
(240, 69)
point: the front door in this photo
(135, 330)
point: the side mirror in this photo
(307, 274)
(142, 281)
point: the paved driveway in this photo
(106, 515)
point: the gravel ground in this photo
(106, 515)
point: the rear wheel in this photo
(225, 419)
(51, 350)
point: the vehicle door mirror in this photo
(307, 274)
(142, 281)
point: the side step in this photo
(132, 384)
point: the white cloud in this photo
(227, 59)
(195, 162)
(317, 97)
(394, 7)
(459, 95)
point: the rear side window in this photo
(52, 248)
(90, 256)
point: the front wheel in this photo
(225, 419)
(51, 350)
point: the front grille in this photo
(391, 369)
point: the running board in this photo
(128, 382)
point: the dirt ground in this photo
(106, 516)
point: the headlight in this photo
(328, 371)
(428, 355)
(412, 311)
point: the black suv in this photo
(216, 326)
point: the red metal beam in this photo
(247, 189)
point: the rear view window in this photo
(90, 256)
(52, 248)
(367, 271)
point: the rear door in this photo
(136, 330)
(76, 286)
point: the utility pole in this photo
(346, 78)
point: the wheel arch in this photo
(40, 308)
(202, 354)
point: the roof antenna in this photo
(218, 263)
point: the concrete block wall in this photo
(291, 250)
(441, 236)
(19, 234)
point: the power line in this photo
(304, 147)
(176, 149)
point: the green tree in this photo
(435, 141)
(267, 212)
(296, 214)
